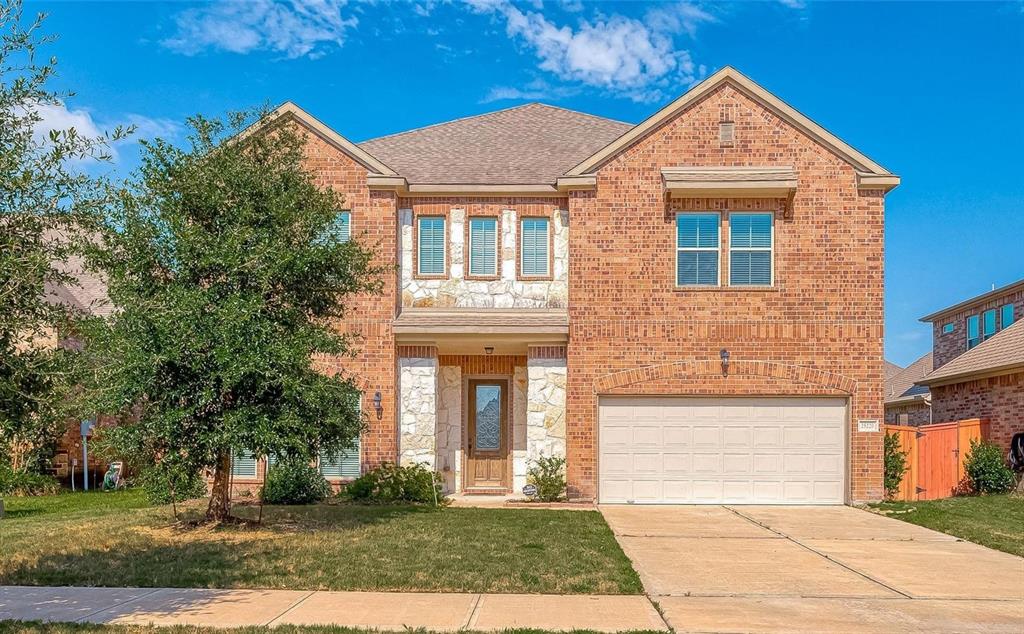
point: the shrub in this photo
(18, 482)
(294, 481)
(157, 480)
(895, 465)
(390, 483)
(548, 475)
(986, 469)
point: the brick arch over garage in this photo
(744, 377)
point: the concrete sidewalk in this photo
(377, 610)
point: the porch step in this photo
(486, 491)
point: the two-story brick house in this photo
(978, 361)
(687, 310)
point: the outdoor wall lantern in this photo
(377, 406)
(724, 354)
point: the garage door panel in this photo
(677, 463)
(722, 450)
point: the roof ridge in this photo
(492, 112)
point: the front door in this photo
(487, 438)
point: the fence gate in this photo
(935, 456)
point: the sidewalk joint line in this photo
(471, 619)
(821, 554)
(117, 605)
(291, 607)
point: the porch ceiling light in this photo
(724, 355)
(489, 350)
(377, 407)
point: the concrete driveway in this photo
(814, 569)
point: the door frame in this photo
(506, 430)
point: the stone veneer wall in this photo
(542, 393)
(418, 413)
(545, 418)
(507, 290)
(449, 426)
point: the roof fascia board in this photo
(290, 110)
(744, 84)
(977, 299)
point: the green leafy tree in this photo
(46, 203)
(895, 462)
(230, 275)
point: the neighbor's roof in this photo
(1004, 352)
(530, 144)
(901, 386)
(977, 299)
(891, 369)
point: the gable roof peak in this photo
(728, 74)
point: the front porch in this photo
(478, 402)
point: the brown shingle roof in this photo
(1004, 351)
(530, 144)
(901, 385)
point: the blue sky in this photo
(931, 91)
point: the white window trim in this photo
(522, 249)
(444, 245)
(675, 241)
(497, 246)
(770, 249)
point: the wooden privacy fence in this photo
(935, 456)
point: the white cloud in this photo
(793, 4)
(60, 117)
(535, 90)
(293, 28)
(627, 56)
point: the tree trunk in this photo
(220, 496)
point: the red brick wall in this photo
(951, 345)
(999, 399)
(824, 312)
(374, 222)
(917, 414)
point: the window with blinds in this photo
(533, 244)
(431, 248)
(342, 229)
(343, 465)
(483, 246)
(697, 249)
(243, 465)
(988, 323)
(750, 249)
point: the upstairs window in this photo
(750, 249)
(697, 249)
(1006, 316)
(988, 322)
(973, 331)
(431, 248)
(533, 245)
(483, 246)
(947, 328)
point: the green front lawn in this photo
(110, 539)
(996, 521)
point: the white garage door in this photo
(681, 450)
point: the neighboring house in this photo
(979, 361)
(907, 403)
(86, 295)
(687, 310)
